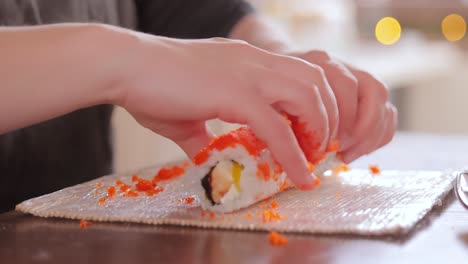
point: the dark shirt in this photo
(78, 146)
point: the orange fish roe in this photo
(277, 239)
(311, 167)
(144, 185)
(342, 167)
(124, 187)
(242, 136)
(269, 216)
(134, 178)
(165, 174)
(212, 215)
(275, 177)
(374, 169)
(316, 182)
(274, 204)
(284, 186)
(154, 191)
(189, 200)
(334, 146)
(111, 192)
(203, 213)
(102, 201)
(99, 184)
(278, 168)
(130, 193)
(118, 182)
(263, 171)
(307, 140)
(248, 215)
(338, 196)
(85, 224)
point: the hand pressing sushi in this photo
(367, 120)
(170, 86)
(173, 86)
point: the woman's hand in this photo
(173, 86)
(367, 120)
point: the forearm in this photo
(259, 32)
(48, 71)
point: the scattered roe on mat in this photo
(374, 169)
(242, 136)
(111, 192)
(148, 187)
(277, 239)
(102, 201)
(189, 200)
(85, 224)
(316, 182)
(274, 204)
(143, 185)
(134, 178)
(165, 174)
(124, 187)
(341, 168)
(269, 216)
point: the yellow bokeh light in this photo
(388, 30)
(453, 27)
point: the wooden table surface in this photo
(441, 237)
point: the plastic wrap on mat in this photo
(353, 202)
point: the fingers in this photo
(311, 74)
(374, 137)
(199, 137)
(299, 100)
(376, 118)
(269, 126)
(392, 117)
(345, 88)
(372, 97)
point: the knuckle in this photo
(242, 45)
(316, 69)
(220, 39)
(382, 91)
(349, 82)
(318, 55)
(379, 87)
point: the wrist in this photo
(109, 57)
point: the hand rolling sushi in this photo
(237, 170)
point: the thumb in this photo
(199, 138)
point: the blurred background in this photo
(417, 47)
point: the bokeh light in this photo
(453, 27)
(388, 30)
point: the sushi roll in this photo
(237, 170)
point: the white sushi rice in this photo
(252, 187)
